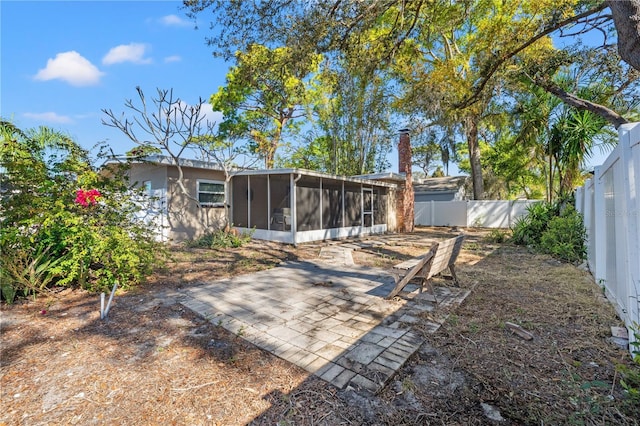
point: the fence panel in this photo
(489, 214)
(440, 213)
(483, 214)
(610, 207)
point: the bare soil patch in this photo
(152, 361)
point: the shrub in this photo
(528, 229)
(64, 223)
(220, 239)
(497, 236)
(553, 228)
(564, 237)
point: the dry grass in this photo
(156, 362)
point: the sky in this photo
(63, 62)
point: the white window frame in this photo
(214, 182)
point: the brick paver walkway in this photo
(328, 317)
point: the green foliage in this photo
(50, 233)
(552, 228)
(265, 92)
(564, 237)
(220, 239)
(497, 236)
(27, 271)
(528, 229)
(631, 375)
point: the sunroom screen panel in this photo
(308, 204)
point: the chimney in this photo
(404, 152)
(405, 199)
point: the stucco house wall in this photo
(288, 205)
(178, 216)
(185, 218)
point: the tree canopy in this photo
(454, 66)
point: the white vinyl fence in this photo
(610, 206)
(482, 214)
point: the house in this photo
(285, 205)
(448, 188)
(174, 211)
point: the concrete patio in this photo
(327, 316)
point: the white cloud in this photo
(132, 52)
(174, 21)
(72, 68)
(49, 117)
(174, 58)
(211, 115)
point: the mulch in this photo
(156, 362)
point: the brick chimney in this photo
(405, 200)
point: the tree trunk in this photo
(626, 17)
(471, 129)
(570, 99)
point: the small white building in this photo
(447, 188)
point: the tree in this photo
(265, 93)
(169, 126)
(563, 135)
(426, 151)
(453, 58)
(62, 222)
(172, 126)
(351, 113)
(625, 16)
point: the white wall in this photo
(611, 210)
(483, 214)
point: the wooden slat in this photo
(408, 264)
(445, 255)
(442, 255)
(419, 268)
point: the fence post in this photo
(580, 200)
(432, 214)
(587, 214)
(600, 231)
(627, 139)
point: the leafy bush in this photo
(29, 271)
(564, 237)
(497, 236)
(528, 229)
(62, 222)
(220, 239)
(553, 229)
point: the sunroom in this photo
(296, 206)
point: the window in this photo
(210, 193)
(147, 188)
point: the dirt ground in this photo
(156, 362)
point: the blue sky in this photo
(63, 62)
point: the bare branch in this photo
(495, 65)
(569, 98)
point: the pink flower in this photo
(86, 198)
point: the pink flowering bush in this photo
(86, 198)
(53, 234)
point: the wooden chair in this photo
(441, 256)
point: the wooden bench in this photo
(441, 256)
